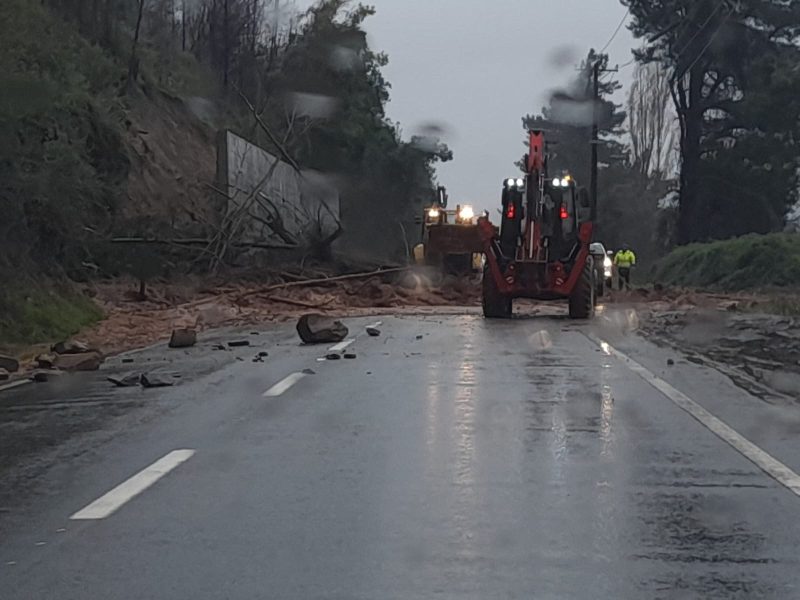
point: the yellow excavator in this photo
(450, 239)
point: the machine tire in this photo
(600, 288)
(582, 299)
(495, 305)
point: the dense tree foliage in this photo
(71, 70)
(734, 83)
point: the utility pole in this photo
(596, 70)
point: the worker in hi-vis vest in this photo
(624, 260)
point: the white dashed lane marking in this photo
(762, 459)
(129, 489)
(283, 385)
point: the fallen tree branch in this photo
(298, 302)
(290, 284)
(200, 241)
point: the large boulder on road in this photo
(86, 361)
(319, 329)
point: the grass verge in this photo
(36, 313)
(749, 263)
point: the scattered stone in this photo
(39, 376)
(670, 362)
(255, 333)
(419, 337)
(9, 363)
(319, 329)
(263, 354)
(373, 331)
(258, 359)
(4, 375)
(218, 347)
(183, 338)
(238, 343)
(89, 361)
(333, 356)
(350, 356)
(46, 361)
(309, 372)
(128, 380)
(127, 360)
(70, 347)
(155, 381)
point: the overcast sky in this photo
(477, 66)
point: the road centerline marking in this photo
(112, 500)
(762, 459)
(341, 345)
(283, 385)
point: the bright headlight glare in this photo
(509, 182)
(556, 182)
(607, 262)
(433, 213)
(466, 213)
(520, 182)
(565, 182)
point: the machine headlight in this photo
(509, 183)
(466, 213)
(556, 182)
(520, 182)
(433, 213)
(607, 262)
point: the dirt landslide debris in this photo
(131, 324)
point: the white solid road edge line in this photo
(766, 462)
(114, 499)
(283, 385)
(13, 384)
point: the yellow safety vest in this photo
(625, 259)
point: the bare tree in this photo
(652, 123)
(133, 64)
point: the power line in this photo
(617, 30)
(699, 29)
(708, 45)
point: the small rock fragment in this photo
(373, 331)
(349, 356)
(39, 376)
(238, 343)
(333, 356)
(9, 363)
(183, 338)
(670, 362)
(127, 380)
(4, 375)
(218, 347)
(88, 361)
(149, 380)
(70, 347)
(255, 333)
(127, 360)
(419, 337)
(45, 361)
(309, 372)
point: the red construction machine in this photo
(541, 249)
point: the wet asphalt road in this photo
(484, 460)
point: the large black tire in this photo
(582, 300)
(495, 305)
